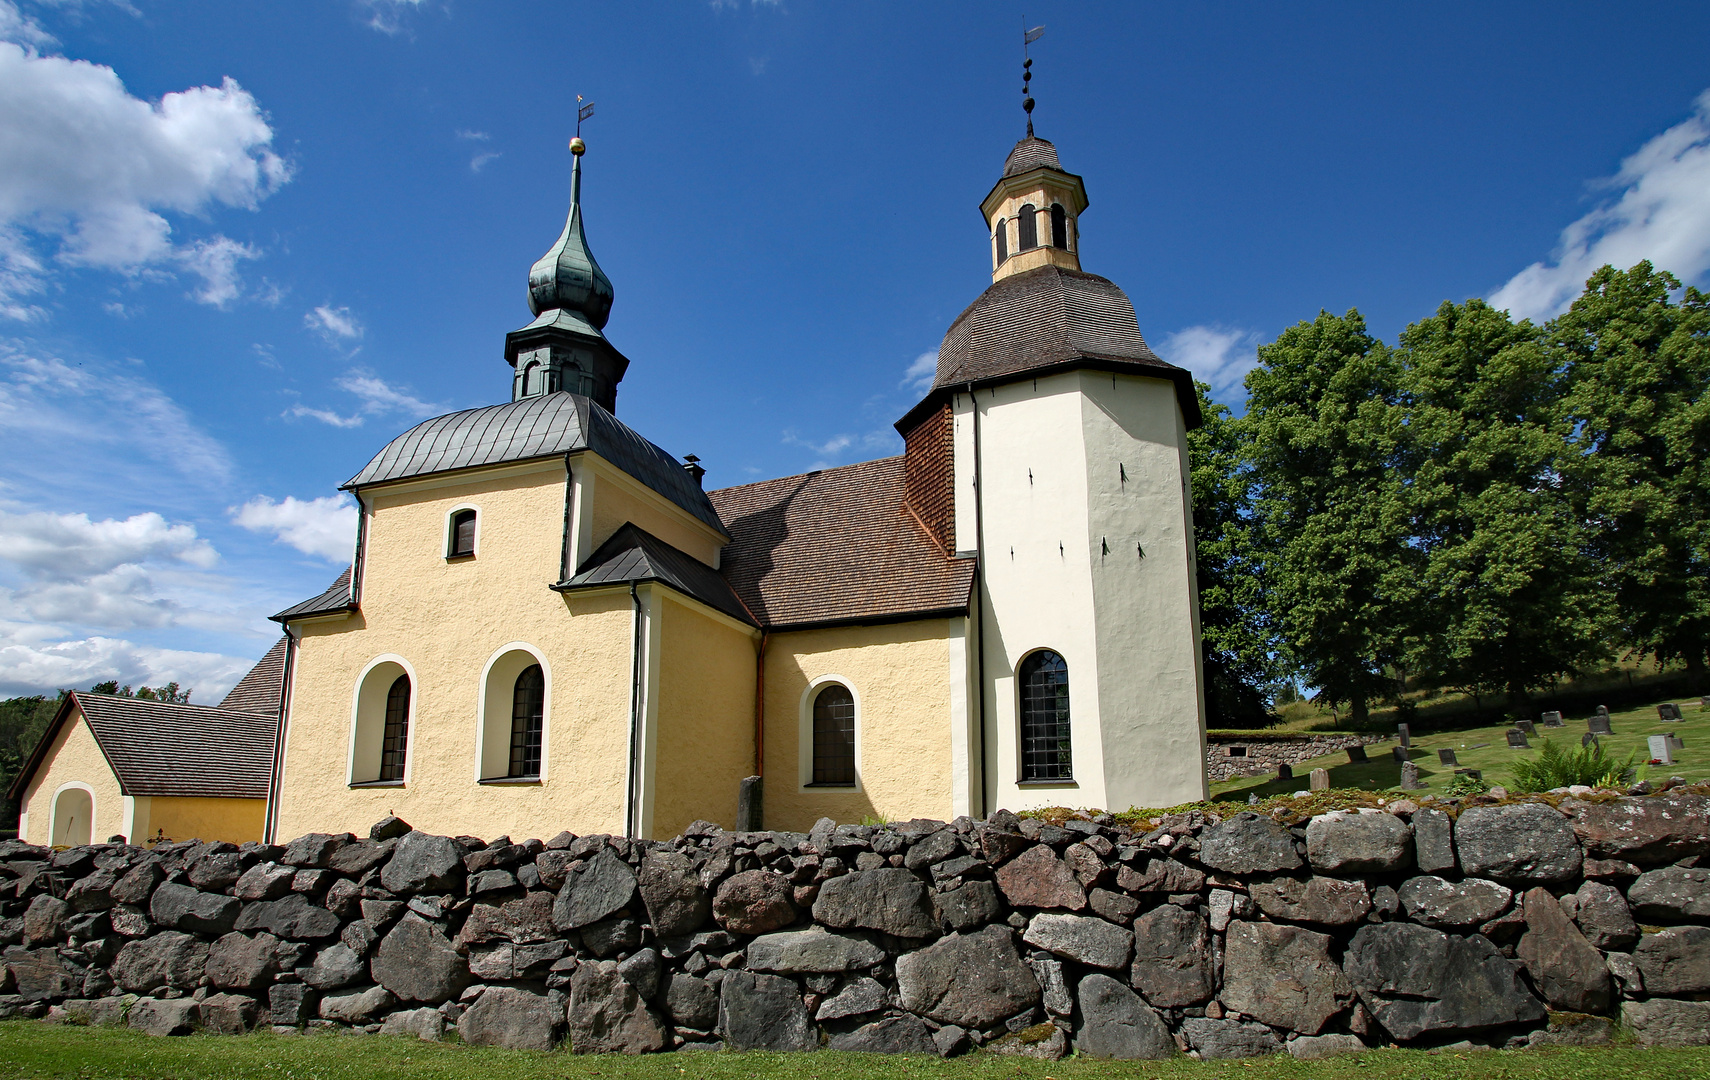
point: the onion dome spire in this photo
(567, 277)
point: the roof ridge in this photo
(810, 472)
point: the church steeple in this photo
(571, 297)
(1033, 212)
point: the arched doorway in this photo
(73, 813)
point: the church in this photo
(549, 623)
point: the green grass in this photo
(1487, 748)
(32, 1049)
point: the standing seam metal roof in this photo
(634, 554)
(535, 427)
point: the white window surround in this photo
(450, 516)
(53, 818)
(493, 713)
(804, 737)
(368, 719)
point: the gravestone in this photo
(1405, 733)
(1476, 774)
(1599, 724)
(1285, 772)
(1517, 739)
(1587, 739)
(1399, 753)
(1527, 726)
(1668, 712)
(1552, 718)
(1704, 702)
(1357, 755)
(1319, 780)
(1446, 757)
(1603, 710)
(1675, 742)
(1660, 750)
(1410, 777)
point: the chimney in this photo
(693, 467)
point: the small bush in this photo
(1555, 768)
(1463, 785)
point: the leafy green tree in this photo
(1508, 593)
(1638, 413)
(1326, 432)
(23, 721)
(1239, 642)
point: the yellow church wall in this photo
(705, 728)
(444, 621)
(899, 675)
(184, 818)
(75, 762)
(619, 500)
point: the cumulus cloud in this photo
(324, 527)
(33, 667)
(18, 27)
(1217, 355)
(67, 546)
(1661, 213)
(89, 172)
(335, 325)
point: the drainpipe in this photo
(629, 821)
(979, 598)
(760, 707)
(275, 777)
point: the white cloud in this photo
(473, 136)
(1662, 214)
(70, 546)
(31, 667)
(828, 451)
(1217, 356)
(325, 527)
(479, 161)
(18, 27)
(378, 397)
(387, 16)
(921, 373)
(90, 171)
(326, 416)
(335, 325)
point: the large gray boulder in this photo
(601, 888)
(334, 966)
(1528, 843)
(1604, 918)
(1674, 894)
(314, 850)
(172, 1016)
(1662, 1022)
(857, 998)
(40, 974)
(265, 881)
(523, 920)
(1324, 900)
(228, 1014)
(606, 1014)
(417, 962)
(970, 980)
(1172, 958)
(1283, 976)
(1038, 879)
(423, 1023)
(764, 1012)
(44, 920)
(969, 906)
(359, 1006)
(815, 950)
(290, 1004)
(1437, 902)
(691, 1002)
(1675, 962)
(1248, 844)
(1570, 974)
(1433, 842)
(183, 908)
(503, 962)
(241, 962)
(890, 900)
(1318, 1047)
(1230, 1038)
(1082, 938)
(423, 863)
(170, 960)
(512, 1018)
(291, 917)
(1356, 842)
(903, 1034)
(1419, 981)
(1115, 1023)
(1645, 831)
(677, 903)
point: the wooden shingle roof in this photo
(260, 691)
(836, 546)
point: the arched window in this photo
(395, 740)
(1001, 235)
(528, 707)
(834, 737)
(462, 534)
(1045, 717)
(531, 380)
(1059, 227)
(1029, 228)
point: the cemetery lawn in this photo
(32, 1049)
(1487, 748)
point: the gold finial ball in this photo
(578, 147)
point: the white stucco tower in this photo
(1068, 476)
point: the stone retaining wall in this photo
(1505, 923)
(1231, 756)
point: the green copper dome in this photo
(567, 277)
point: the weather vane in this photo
(1028, 37)
(582, 113)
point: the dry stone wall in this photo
(1503, 923)
(1228, 757)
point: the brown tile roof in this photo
(836, 546)
(159, 748)
(261, 689)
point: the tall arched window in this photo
(1045, 717)
(1027, 219)
(1059, 227)
(834, 737)
(528, 705)
(462, 534)
(1001, 235)
(531, 380)
(394, 741)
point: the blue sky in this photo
(242, 245)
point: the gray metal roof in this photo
(1029, 154)
(634, 554)
(335, 598)
(534, 427)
